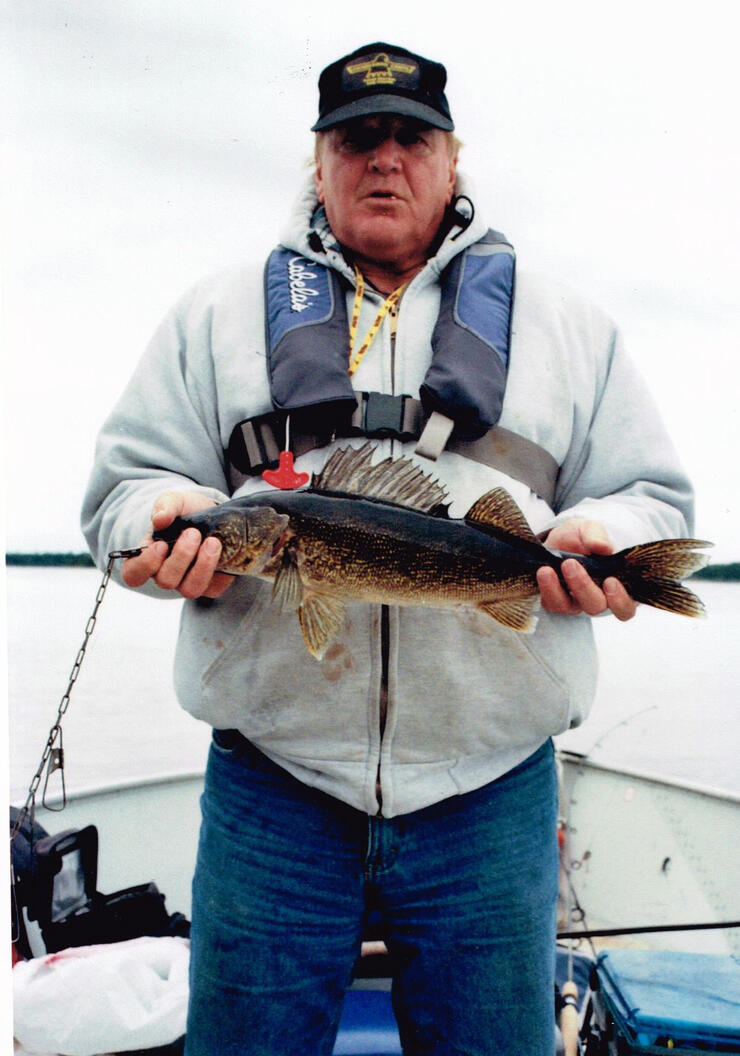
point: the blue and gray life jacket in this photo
(459, 402)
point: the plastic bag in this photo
(98, 999)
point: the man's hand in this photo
(190, 568)
(583, 595)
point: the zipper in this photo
(383, 701)
(385, 634)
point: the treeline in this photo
(724, 572)
(727, 572)
(68, 559)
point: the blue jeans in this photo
(466, 891)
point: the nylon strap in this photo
(256, 442)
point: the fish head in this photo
(250, 537)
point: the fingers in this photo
(619, 601)
(135, 571)
(589, 597)
(583, 594)
(190, 566)
(554, 597)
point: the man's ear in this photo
(452, 179)
(319, 183)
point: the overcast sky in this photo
(148, 143)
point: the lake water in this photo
(667, 698)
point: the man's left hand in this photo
(583, 595)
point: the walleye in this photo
(382, 533)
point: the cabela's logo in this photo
(299, 275)
(380, 69)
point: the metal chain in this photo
(52, 757)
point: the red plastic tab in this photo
(285, 477)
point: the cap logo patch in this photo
(379, 70)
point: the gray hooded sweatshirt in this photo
(464, 700)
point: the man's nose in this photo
(385, 157)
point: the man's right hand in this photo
(190, 567)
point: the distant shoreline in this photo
(725, 572)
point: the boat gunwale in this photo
(564, 755)
(576, 759)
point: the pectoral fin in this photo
(287, 588)
(516, 613)
(321, 618)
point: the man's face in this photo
(385, 182)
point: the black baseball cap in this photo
(383, 79)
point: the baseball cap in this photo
(383, 79)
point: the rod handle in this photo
(569, 1018)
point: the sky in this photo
(151, 142)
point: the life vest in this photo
(462, 394)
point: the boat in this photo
(648, 864)
(650, 876)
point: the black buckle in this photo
(253, 445)
(384, 415)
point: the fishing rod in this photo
(646, 929)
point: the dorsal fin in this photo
(497, 510)
(349, 471)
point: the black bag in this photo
(23, 862)
(56, 883)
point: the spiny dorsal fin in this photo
(496, 509)
(349, 471)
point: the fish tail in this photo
(651, 573)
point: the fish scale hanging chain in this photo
(52, 758)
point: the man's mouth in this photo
(387, 196)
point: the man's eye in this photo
(407, 137)
(362, 141)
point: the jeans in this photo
(466, 890)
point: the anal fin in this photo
(321, 617)
(516, 613)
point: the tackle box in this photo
(660, 1001)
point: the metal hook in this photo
(56, 762)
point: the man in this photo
(411, 769)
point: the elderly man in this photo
(411, 769)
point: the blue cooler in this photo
(368, 1026)
(658, 1001)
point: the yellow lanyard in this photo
(390, 302)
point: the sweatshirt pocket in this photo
(488, 691)
(228, 637)
(264, 682)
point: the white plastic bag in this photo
(97, 999)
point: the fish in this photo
(382, 533)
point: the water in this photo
(667, 698)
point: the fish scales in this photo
(369, 552)
(382, 533)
